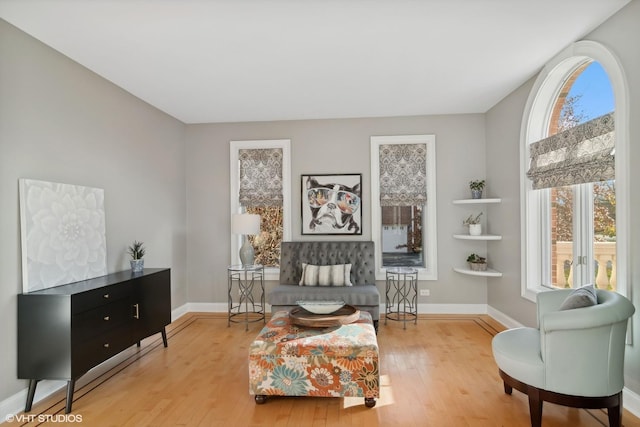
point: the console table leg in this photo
(30, 394)
(164, 337)
(71, 384)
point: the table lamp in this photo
(246, 224)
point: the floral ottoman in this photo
(290, 360)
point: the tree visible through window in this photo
(574, 165)
(267, 243)
(587, 94)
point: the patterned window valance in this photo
(585, 153)
(403, 170)
(260, 177)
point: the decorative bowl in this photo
(321, 307)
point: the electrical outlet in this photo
(425, 292)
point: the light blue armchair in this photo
(575, 358)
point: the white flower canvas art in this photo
(63, 234)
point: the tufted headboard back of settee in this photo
(360, 255)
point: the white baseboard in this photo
(452, 309)
(179, 312)
(631, 401)
(15, 404)
(499, 316)
(201, 307)
(206, 307)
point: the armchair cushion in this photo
(584, 296)
(517, 352)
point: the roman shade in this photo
(260, 177)
(403, 170)
(582, 154)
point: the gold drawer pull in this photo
(106, 318)
(106, 296)
(137, 313)
(106, 345)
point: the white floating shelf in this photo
(489, 273)
(481, 237)
(475, 201)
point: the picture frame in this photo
(331, 204)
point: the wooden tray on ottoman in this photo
(343, 316)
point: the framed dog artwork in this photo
(332, 204)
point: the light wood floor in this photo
(438, 373)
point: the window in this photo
(403, 203)
(250, 162)
(574, 174)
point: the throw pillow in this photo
(584, 296)
(339, 275)
(325, 275)
(347, 275)
(309, 275)
(301, 283)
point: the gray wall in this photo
(503, 172)
(168, 184)
(503, 136)
(60, 122)
(331, 146)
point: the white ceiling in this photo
(245, 60)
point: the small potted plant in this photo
(473, 222)
(477, 263)
(476, 188)
(137, 251)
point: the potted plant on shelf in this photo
(476, 188)
(477, 263)
(137, 251)
(473, 222)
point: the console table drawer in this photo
(98, 349)
(87, 300)
(99, 320)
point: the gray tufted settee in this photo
(363, 293)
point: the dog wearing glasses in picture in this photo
(332, 206)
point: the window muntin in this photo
(576, 254)
(583, 239)
(538, 271)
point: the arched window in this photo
(573, 172)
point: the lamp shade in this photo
(245, 224)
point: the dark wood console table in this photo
(66, 330)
